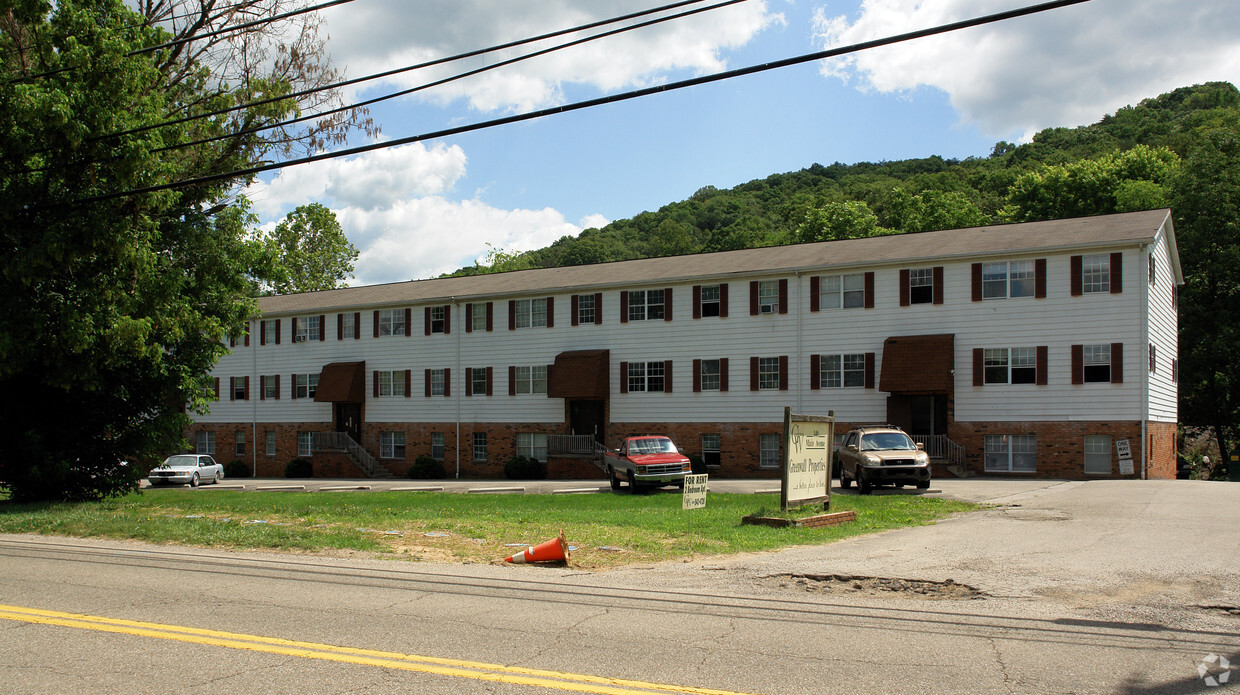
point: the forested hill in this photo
(1126, 157)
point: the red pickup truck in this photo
(646, 460)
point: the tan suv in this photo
(882, 456)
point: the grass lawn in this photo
(606, 530)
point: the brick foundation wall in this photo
(1060, 446)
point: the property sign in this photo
(807, 459)
(695, 492)
(1124, 452)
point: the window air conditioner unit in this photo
(299, 338)
(766, 309)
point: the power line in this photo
(590, 103)
(397, 71)
(453, 78)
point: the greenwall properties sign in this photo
(807, 459)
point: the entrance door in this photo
(586, 417)
(918, 414)
(349, 419)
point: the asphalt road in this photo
(1062, 587)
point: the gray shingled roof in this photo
(1028, 237)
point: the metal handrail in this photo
(938, 446)
(565, 444)
(341, 441)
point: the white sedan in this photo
(180, 469)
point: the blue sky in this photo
(419, 210)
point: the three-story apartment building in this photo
(1025, 349)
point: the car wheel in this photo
(863, 483)
(633, 484)
(219, 477)
(845, 481)
(193, 482)
(923, 484)
(611, 477)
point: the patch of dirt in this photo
(874, 586)
(1017, 513)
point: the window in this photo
(391, 322)
(205, 443)
(270, 331)
(437, 446)
(646, 376)
(478, 381)
(1011, 453)
(533, 445)
(391, 383)
(1096, 273)
(711, 380)
(530, 313)
(1008, 279)
(710, 303)
(307, 385)
(842, 371)
(240, 392)
(438, 319)
(768, 451)
(480, 446)
(585, 308)
(921, 286)
(304, 444)
(307, 328)
(1097, 363)
(768, 373)
(710, 450)
(437, 381)
(768, 296)
(478, 316)
(646, 305)
(528, 379)
(391, 445)
(348, 325)
(1010, 365)
(239, 439)
(271, 443)
(842, 291)
(271, 387)
(1098, 454)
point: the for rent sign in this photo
(807, 459)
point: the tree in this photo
(834, 220)
(118, 304)
(312, 251)
(1134, 179)
(1206, 204)
(931, 210)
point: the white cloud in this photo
(384, 34)
(373, 180)
(425, 237)
(1063, 67)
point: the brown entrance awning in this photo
(342, 382)
(918, 364)
(580, 374)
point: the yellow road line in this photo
(327, 652)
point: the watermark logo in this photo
(1214, 670)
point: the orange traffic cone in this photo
(554, 550)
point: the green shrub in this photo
(525, 468)
(299, 468)
(236, 468)
(427, 468)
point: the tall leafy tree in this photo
(117, 304)
(1206, 205)
(312, 251)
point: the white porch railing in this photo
(572, 445)
(938, 446)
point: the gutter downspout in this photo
(457, 398)
(254, 401)
(800, 346)
(1145, 379)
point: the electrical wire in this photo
(408, 68)
(446, 80)
(590, 103)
